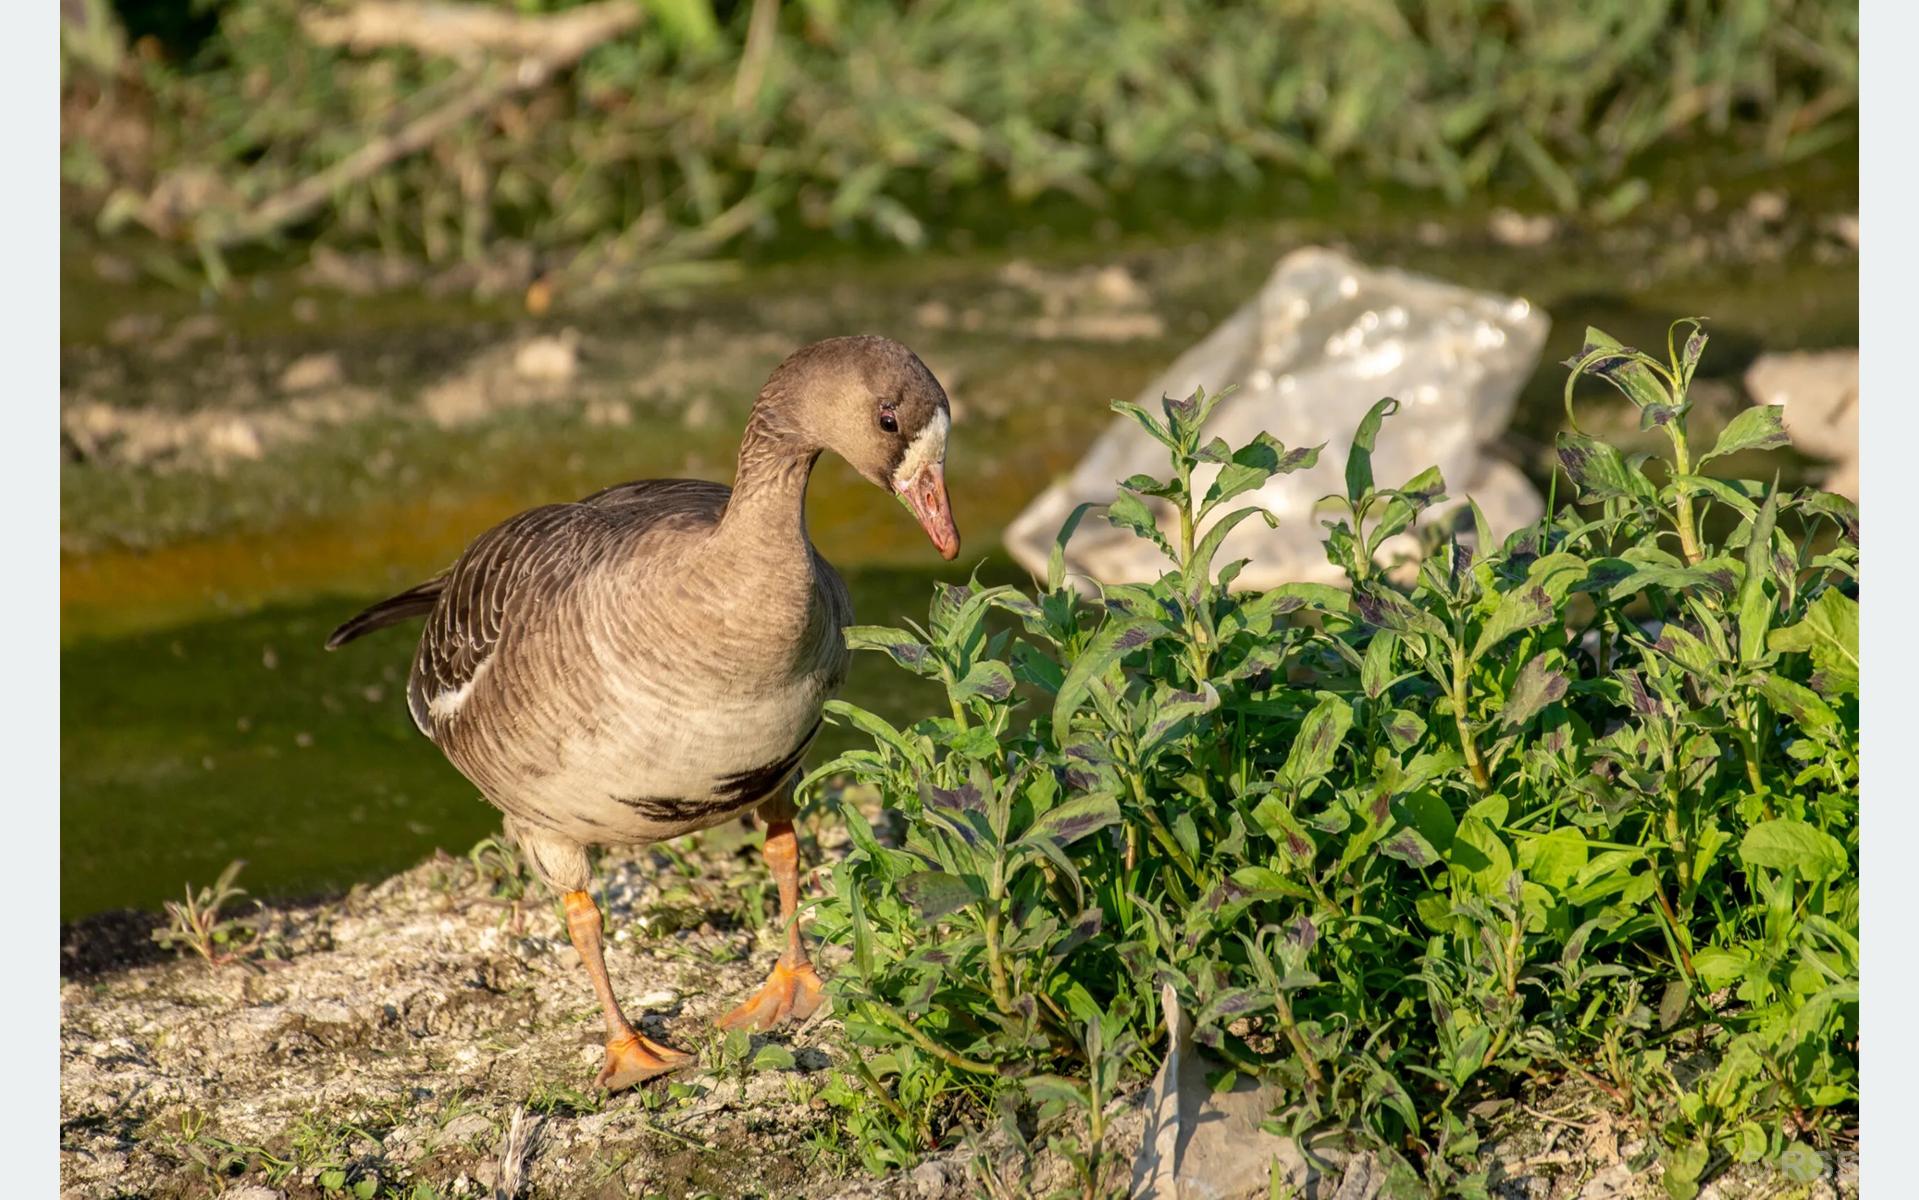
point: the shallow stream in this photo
(201, 721)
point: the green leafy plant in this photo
(1579, 802)
(714, 125)
(195, 924)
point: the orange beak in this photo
(925, 494)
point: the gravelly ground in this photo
(387, 1037)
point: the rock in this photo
(1819, 393)
(311, 372)
(1768, 208)
(1321, 342)
(550, 359)
(453, 402)
(609, 414)
(1510, 228)
(1842, 226)
(467, 1127)
(929, 1180)
(134, 327)
(1201, 1143)
(252, 1191)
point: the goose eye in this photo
(889, 422)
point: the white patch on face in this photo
(927, 449)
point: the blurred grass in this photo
(870, 119)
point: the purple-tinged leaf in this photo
(1409, 847)
(1599, 471)
(1311, 755)
(1536, 686)
(987, 680)
(1066, 823)
(934, 894)
(1384, 608)
(1760, 427)
(965, 798)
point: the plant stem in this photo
(879, 1093)
(1285, 1010)
(1161, 834)
(1185, 513)
(995, 964)
(933, 1048)
(1682, 493)
(1467, 745)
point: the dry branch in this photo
(465, 30)
(564, 39)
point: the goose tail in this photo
(414, 602)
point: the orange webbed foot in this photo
(636, 1058)
(791, 992)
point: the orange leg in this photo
(793, 990)
(630, 1056)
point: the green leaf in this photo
(1536, 686)
(1623, 367)
(1554, 859)
(1320, 734)
(1158, 432)
(1403, 728)
(687, 24)
(1055, 1089)
(1525, 607)
(987, 680)
(1676, 643)
(1829, 633)
(774, 1057)
(1800, 703)
(1784, 842)
(1056, 560)
(1376, 670)
(1128, 511)
(873, 726)
(1755, 606)
(1202, 565)
(1259, 611)
(1275, 817)
(1420, 493)
(1171, 709)
(1718, 968)
(1359, 459)
(1115, 639)
(1252, 465)
(1383, 608)
(933, 894)
(1760, 427)
(1479, 859)
(897, 644)
(1598, 470)
(1410, 847)
(1064, 824)
(1720, 574)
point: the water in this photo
(201, 721)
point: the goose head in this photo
(871, 401)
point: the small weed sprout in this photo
(196, 925)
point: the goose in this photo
(652, 660)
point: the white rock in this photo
(550, 359)
(1819, 392)
(310, 372)
(1310, 354)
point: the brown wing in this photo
(524, 563)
